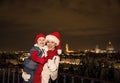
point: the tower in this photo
(110, 46)
(97, 50)
(67, 49)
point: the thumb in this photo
(54, 57)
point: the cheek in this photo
(48, 45)
(54, 44)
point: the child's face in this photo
(51, 45)
(41, 41)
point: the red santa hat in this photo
(38, 36)
(55, 37)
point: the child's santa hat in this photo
(38, 36)
(55, 37)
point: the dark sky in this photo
(83, 24)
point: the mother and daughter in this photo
(45, 55)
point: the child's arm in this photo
(34, 57)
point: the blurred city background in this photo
(86, 66)
(90, 38)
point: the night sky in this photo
(83, 24)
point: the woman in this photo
(50, 69)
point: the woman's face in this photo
(51, 45)
(41, 41)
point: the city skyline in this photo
(82, 25)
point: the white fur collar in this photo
(44, 47)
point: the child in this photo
(37, 56)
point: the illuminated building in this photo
(68, 51)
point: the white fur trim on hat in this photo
(52, 38)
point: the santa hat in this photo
(38, 36)
(55, 37)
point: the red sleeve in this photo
(34, 56)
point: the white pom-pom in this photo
(59, 52)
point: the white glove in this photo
(26, 76)
(52, 66)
